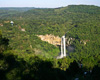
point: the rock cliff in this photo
(55, 40)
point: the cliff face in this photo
(55, 40)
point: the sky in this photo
(46, 3)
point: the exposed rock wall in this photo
(55, 40)
(69, 41)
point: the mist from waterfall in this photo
(70, 49)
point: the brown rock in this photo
(6, 21)
(55, 40)
(1, 24)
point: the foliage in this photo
(30, 58)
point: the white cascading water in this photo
(63, 48)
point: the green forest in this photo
(18, 57)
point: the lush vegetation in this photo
(24, 56)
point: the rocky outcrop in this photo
(55, 40)
(1, 24)
(84, 41)
(6, 21)
(69, 41)
(23, 30)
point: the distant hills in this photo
(17, 8)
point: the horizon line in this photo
(45, 7)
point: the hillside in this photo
(84, 23)
(7, 11)
(81, 22)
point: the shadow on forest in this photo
(38, 69)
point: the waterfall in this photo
(63, 48)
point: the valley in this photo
(29, 47)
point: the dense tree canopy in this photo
(18, 57)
